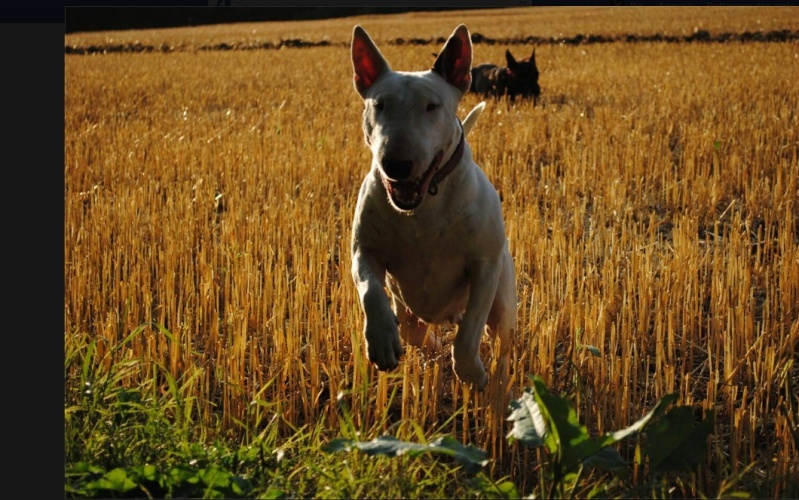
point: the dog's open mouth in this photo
(407, 195)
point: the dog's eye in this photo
(378, 105)
(431, 106)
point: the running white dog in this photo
(428, 223)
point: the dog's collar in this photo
(449, 166)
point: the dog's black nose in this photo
(397, 170)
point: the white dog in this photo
(428, 223)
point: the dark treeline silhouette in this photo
(79, 19)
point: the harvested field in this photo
(651, 201)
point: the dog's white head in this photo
(409, 118)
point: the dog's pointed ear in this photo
(511, 60)
(454, 62)
(367, 61)
(532, 57)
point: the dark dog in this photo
(518, 78)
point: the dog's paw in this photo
(471, 371)
(383, 345)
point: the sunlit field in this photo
(651, 201)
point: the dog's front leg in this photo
(381, 333)
(483, 280)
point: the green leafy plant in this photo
(541, 419)
(674, 443)
(212, 481)
(472, 459)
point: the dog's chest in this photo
(428, 272)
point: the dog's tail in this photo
(472, 117)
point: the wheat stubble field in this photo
(651, 202)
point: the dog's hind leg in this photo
(414, 331)
(502, 325)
